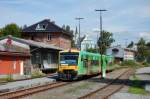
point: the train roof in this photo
(84, 52)
(70, 50)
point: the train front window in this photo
(69, 58)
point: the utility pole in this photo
(101, 35)
(79, 38)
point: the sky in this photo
(128, 20)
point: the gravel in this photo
(72, 91)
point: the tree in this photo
(93, 50)
(11, 29)
(141, 49)
(105, 41)
(68, 30)
(130, 45)
(148, 45)
(148, 52)
(0, 32)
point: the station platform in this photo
(10, 86)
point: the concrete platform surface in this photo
(142, 74)
(25, 84)
(128, 96)
(144, 70)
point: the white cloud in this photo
(145, 11)
(145, 35)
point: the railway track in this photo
(28, 91)
(33, 90)
(109, 89)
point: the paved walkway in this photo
(121, 95)
(142, 74)
(25, 84)
(145, 70)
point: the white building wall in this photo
(87, 43)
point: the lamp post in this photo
(101, 34)
(79, 45)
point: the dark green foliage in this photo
(92, 50)
(1, 33)
(148, 52)
(148, 45)
(146, 64)
(143, 51)
(130, 45)
(105, 41)
(11, 29)
(129, 63)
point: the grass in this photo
(114, 66)
(137, 87)
(146, 64)
(130, 63)
(37, 74)
(6, 79)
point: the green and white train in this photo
(74, 64)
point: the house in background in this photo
(13, 62)
(87, 43)
(48, 32)
(120, 54)
(43, 56)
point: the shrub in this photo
(146, 64)
(129, 63)
(37, 73)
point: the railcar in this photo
(74, 64)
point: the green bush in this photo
(137, 87)
(130, 63)
(146, 64)
(37, 73)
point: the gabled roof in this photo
(48, 27)
(33, 43)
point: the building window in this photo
(41, 27)
(49, 37)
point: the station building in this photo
(48, 32)
(11, 61)
(120, 54)
(43, 56)
(43, 41)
